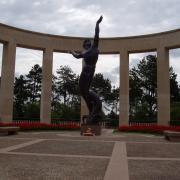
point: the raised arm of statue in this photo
(96, 37)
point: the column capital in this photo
(123, 51)
(48, 50)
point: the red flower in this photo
(149, 128)
(38, 125)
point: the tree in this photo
(101, 86)
(66, 96)
(115, 99)
(143, 85)
(66, 83)
(34, 79)
(20, 95)
(175, 96)
(174, 87)
(32, 111)
(54, 97)
(108, 94)
(143, 88)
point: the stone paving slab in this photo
(70, 147)
(20, 167)
(170, 150)
(118, 166)
(145, 138)
(11, 142)
(154, 170)
(66, 155)
(75, 135)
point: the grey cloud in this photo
(115, 70)
(57, 17)
(134, 62)
(175, 53)
(138, 17)
(137, 57)
(114, 78)
(78, 17)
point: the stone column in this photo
(46, 92)
(124, 88)
(7, 81)
(163, 86)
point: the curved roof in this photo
(36, 40)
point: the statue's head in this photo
(87, 44)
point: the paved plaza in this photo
(65, 155)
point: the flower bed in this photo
(148, 129)
(24, 126)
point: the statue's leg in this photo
(88, 102)
(92, 100)
(84, 83)
(97, 107)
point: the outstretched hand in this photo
(100, 19)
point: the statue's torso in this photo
(91, 56)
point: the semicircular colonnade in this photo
(12, 37)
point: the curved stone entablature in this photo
(142, 43)
(13, 37)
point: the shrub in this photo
(24, 126)
(148, 129)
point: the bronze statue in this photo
(90, 57)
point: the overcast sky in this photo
(78, 17)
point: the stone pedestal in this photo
(173, 136)
(10, 130)
(90, 130)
